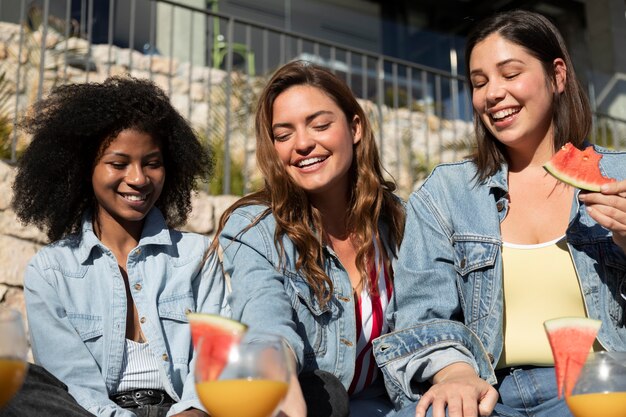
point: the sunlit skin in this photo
(314, 141)
(127, 180)
(513, 97)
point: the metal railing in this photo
(213, 66)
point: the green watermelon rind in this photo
(215, 320)
(589, 186)
(567, 322)
(571, 180)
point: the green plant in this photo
(6, 126)
(216, 183)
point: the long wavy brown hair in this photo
(371, 196)
(571, 117)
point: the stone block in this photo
(14, 255)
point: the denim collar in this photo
(499, 180)
(155, 232)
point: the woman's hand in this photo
(458, 389)
(293, 405)
(608, 208)
(192, 412)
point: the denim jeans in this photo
(523, 393)
(151, 410)
(43, 395)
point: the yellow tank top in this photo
(540, 283)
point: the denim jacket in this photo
(76, 304)
(274, 297)
(448, 277)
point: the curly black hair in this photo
(74, 124)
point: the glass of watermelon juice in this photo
(13, 351)
(600, 389)
(250, 379)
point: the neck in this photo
(334, 215)
(120, 238)
(523, 158)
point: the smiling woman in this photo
(108, 174)
(310, 254)
(495, 245)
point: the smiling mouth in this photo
(310, 161)
(134, 197)
(503, 114)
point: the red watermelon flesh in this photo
(578, 168)
(218, 334)
(571, 339)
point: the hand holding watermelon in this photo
(581, 169)
(608, 208)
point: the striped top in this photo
(370, 323)
(140, 368)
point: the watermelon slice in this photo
(577, 168)
(212, 337)
(571, 339)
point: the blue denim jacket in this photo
(272, 297)
(448, 278)
(76, 304)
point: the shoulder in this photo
(183, 238)
(451, 177)
(58, 253)
(252, 217)
(187, 247)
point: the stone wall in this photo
(411, 142)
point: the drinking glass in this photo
(252, 382)
(13, 351)
(600, 389)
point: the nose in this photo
(304, 143)
(495, 92)
(136, 176)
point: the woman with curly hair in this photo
(309, 255)
(108, 174)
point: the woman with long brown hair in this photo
(309, 254)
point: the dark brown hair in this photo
(371, 200)
(571, 116)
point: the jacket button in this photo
(138, 287)
(500, 205)
(138, 252)
(491, 358)
(142, 320)
(188, 310)
(165, 357)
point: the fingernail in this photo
(604, 187)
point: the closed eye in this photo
(322, 127)
(118, 165)
(281, 138)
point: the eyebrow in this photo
(499, 65)
(308, 119)
(122, 154)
